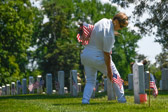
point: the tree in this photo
(124, 51)
(56, 43)
(162, 60)
(156, 24)
(16, 27)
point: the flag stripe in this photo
(85, 37)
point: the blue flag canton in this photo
(115, 75)
(152, 78)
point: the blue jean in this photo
(93, 61)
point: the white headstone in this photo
(105, 84)
(130, 81)
(61, 82)
(73, 82)
(164, 79)
(164, 74)
(31, 82)
(79, 87)
(7, 89)
(3, 90)
(65, 90)
(97, 85)
(39, 88)
(146, 73)
(110, 90)
(49, 83)
(24, 86)
(13, 90)
(138, 81)
(18, 87)
(160, 84)
(93, 93)
(0, 91)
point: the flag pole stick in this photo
(149, 87)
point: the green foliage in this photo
(16, 27)
(57, 47)
(124, 51)
(156, 72)
(156, 23)
(162, 59)
(25, 39)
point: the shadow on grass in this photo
(56, 96)
(80, 104)
(44, 96)
(33, 96)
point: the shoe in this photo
(122, 100)
(84, 101)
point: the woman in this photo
(97, 55)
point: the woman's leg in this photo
(119, 91)
(91, 75)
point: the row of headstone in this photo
(108, 87)
(75, 87)
(163, 82)
(146, 80)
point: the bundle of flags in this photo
(116, 79)
(33, 86)
(153, 85)
(84, 34)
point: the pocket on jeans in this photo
(99, 60)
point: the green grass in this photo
(67, 103)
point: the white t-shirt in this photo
(102, 37)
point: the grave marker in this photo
(39, 87)
(73, 83)
(130, 81)
(61, 82)
(18, 87)
(110, 90)
(13, 88)
(49, 83)
(24, 86)
(7, 89)
(138, 81)
(3, 90)
(31, 82)
(164, 79)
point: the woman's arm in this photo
(107, 58)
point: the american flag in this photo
(30, 87)
(36, 85)
(153, 85)
(116, 79)
(85, 33)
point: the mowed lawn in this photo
(67, 103)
